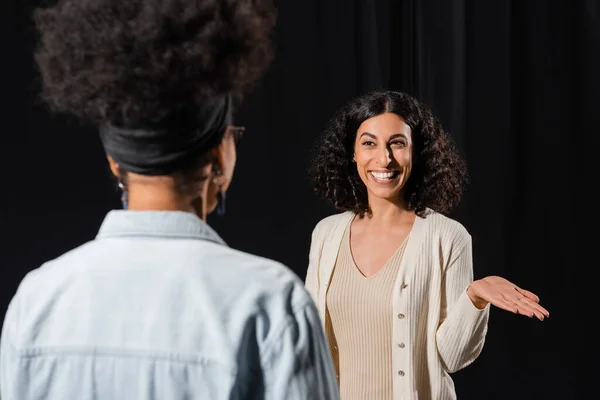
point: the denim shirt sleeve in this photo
(297, 363)
(7, 353)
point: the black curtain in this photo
(514, 82)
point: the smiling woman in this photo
(392, 276)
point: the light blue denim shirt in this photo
(158, 307)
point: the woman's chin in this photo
(385, 193)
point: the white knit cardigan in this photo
(437, 330)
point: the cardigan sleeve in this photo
(461, 334)
(311, 282)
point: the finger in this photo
(531, 311)
(531, 308)
(506, 305)
(541, 309)
(525, 309)
(534, 303)
(528, 294)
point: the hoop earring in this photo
(124, 195)
(221, 197)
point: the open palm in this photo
(507, 296)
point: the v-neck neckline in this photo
(401, 247)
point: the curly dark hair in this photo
(139, 60)
(439, 173)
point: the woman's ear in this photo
(218, 164)
(114, 167)
(219, 154)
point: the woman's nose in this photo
(384, 156)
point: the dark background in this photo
(514, 82)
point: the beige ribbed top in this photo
(359, 322)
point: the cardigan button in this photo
(400, 316)
(401, 373)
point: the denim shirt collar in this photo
(165, 224)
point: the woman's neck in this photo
(163, 194)
(385, 212)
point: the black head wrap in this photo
(181, 140)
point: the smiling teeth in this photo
(382, 175)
